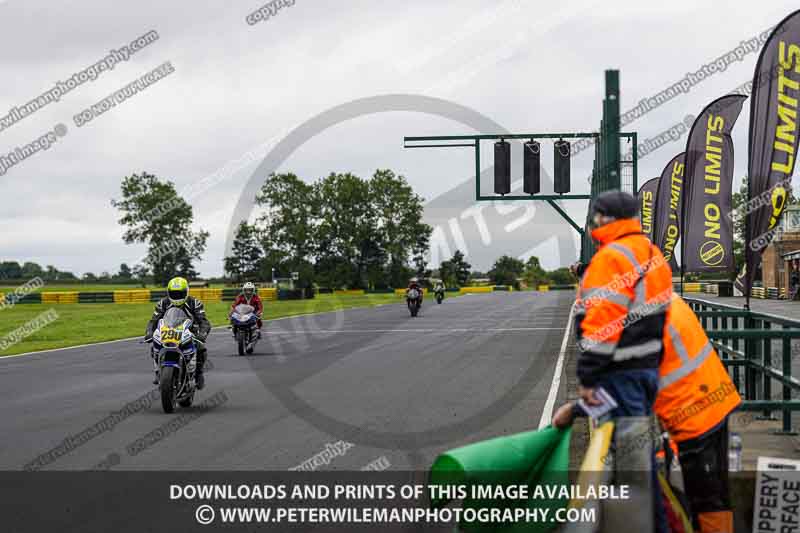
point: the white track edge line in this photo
(547, 412)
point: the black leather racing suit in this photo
(200, 324)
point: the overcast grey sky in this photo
(238, 89)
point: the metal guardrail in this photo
(745, 340)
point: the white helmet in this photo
(249, 289)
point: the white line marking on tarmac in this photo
(415, 330)
(547, 412)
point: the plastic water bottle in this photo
(735, 453)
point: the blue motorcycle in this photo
(244, 323)
(173, 352)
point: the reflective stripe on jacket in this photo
(695, 392)
(621, 307)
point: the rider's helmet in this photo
(414, 281)
(248, 289)
(177, 291)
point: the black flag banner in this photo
(647, 203)
(707, 244)
(773, 138)
(667, 217)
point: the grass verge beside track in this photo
(87, 323)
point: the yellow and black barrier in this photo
(402, 292)
(60, 297)
(477, 289)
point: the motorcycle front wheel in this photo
(240, 342)
(167, 388)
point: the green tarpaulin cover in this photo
(533, 458)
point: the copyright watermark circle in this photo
(507, 221)
(204, 515)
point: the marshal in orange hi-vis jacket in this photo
(621, 307)
(695, 392)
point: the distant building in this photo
(782, 256)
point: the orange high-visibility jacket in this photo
(621, 307)
(695, 392)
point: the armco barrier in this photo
(477, 289)
(543, 288)
(137, 296)
(269, 294)
(693, 287)
(295, 294)
(207, 295)
(402, 292)
(502, 288)
(59, 297)
(350, 292)
(96, 297)
(32, 298)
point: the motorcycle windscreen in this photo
(244, 309)
(175, 317)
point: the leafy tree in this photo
(561, 276)
(287, 225)
(10, 270)
(141, 274)
(455, 271)
(347, 225)
(125, 273)
(88, 276)
(245, 259)
(153, 213)
(534, 274)
(53, 274)
(31, 270)
(506, 270)
(398, 223)
(341, 231)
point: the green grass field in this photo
(86, 323)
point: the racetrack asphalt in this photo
(350, 388)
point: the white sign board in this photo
(776, 507)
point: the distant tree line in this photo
(506, 270)
(12, 270)
(341, 231)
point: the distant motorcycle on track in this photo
(244, 324)
(439, 296)
(414, 301)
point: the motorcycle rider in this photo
(249, 297)
(414, 284)
(178, 296)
